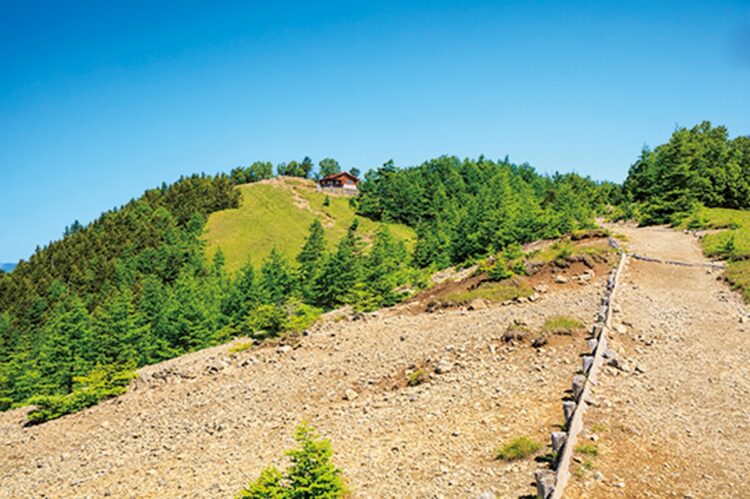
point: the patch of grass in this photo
(738, 274)
(518, 448)
(241, 347)
(561, 324)
(588, 449)
(278, 214)
(491, 291)
(563, 251)
(598, 427)
(732, 244)
(416, 377)
(585, 466)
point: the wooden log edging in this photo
(550, 483)
(717, 266)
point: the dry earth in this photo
(675, 421)
(204, 424)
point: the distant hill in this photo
(7, 267)
(278, 212)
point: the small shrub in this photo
(581, 469)
(292, 317)
(102, 383)
(416, 377)
(311, 474)
(518, 448)
(499, 271)
(729, 247)
(588, 449)
(598, 427)
(241, 347)
(5, 403)
(561, 324)
(563, 252)
(327, 201)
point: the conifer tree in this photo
(311, 257)
(276, 280)
(244, 295)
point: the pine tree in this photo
(244, 294)
(340, 272)
(311, 257)
(276, 280)
(67, 349)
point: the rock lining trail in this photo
(673, 419)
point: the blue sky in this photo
(101, 100)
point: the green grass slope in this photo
(732, 242)
(277, 213)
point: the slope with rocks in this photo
(204, 424)
(673, 418)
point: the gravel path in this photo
(204, 424)
(674, 420)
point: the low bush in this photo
(561, 324)
(518, 448)
(271, 320)
(241, 347)
(588, 449)
(102, 383)
(416, 377)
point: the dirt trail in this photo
(675, 421)
(217, 420)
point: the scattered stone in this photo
(515, 332)
(612, 358)
(477, 304)
(598, 476)
(486, 495)
(350, 394)
(541, 288)
(284, 349)
(539, 341)
(444, 366)
(561, 279)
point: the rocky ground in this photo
(204, 424)
(674, 419)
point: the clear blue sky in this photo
(101, 100)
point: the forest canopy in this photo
(697, 166)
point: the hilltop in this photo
(277, 213)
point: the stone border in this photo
(550, 483)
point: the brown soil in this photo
(675, 421)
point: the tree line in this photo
(135, 286)
(698, 165)
(263, 170)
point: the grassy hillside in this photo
(278, 213)
(733, 242)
